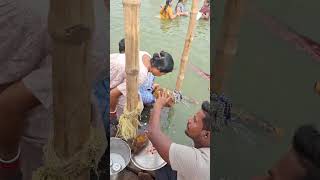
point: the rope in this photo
(177, 96)
(129, 122)
(88, 157)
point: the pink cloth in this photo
(205, 9)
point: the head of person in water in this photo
(121, 46)
(168, 3)
(302, 161)
(161, 63)
(179, 1)
(199, 126)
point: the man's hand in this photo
(163, 100)
(155, 86)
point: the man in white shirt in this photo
(183, 162)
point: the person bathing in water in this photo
(181, 9)
(205, 10)
(166, 11)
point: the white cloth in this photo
(189, 162)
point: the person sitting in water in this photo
(181, 9)
(166, 11)
(160, 64)
(205, 10)
(183, 162)
(302, 161)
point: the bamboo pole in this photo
(227, 44)
(131, 9)
(187, 44)
(71, 25)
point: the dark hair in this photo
(179, 1)
(122, 46)
(162, 61)
(208, 118)
(306, 142)
(167, 4)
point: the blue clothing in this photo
(102, 93)
(180, 7)
(146, 89)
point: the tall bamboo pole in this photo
(187, 44)
(227, 44)
(71, 26)
(131, 9)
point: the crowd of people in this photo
(167, 12)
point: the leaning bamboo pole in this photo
(71, 25)
(226, 48)
(187, 44)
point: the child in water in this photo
(205, 10)
(181, 9)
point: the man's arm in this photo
(160, 141)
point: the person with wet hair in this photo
(158, 65)
(166, 11)
(302, 161)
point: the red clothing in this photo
(205, 10)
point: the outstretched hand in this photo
(164, 100)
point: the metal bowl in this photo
(148, 161)
(120, 155)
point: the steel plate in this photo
(145, 160)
